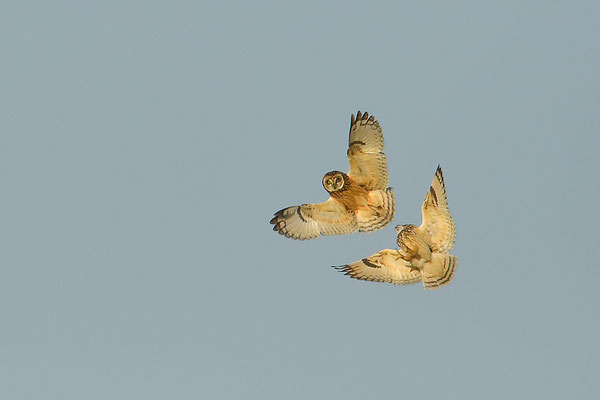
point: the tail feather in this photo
(440, 271)
(382, 206)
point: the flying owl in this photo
(359, 200)
(423, 254)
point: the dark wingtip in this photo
(278, 214)
(433, 195)
(341, 268)
(277, 222)
(359, 117)
(276, 217)
(438, 171)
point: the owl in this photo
(423, 250)
(359, 200)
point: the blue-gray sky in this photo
(145, 145)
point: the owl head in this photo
(405, 234)
(333, 181)
(400, 228)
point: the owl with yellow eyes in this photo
(359, 200)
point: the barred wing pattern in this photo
(382, 206)
(365, 204)
(438, 226)
(309, 221)
(423, 254)
(368, 166)
(388, 266)
(384, 266)
(440, 272)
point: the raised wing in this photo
(368, 166)
(309, 221)
(384, 266)
(438, 227)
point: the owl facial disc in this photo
(333, 181)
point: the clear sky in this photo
(144, 147)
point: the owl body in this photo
(412, 246)
(359, 200)
(423, 250)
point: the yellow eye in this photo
(328, 182)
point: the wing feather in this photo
(437, 227)
(384, 266)
(440, 271)
(309, 221)
(368, 166)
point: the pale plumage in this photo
(437, 228)
(423, 253)
(359, 200)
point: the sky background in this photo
(144, 147)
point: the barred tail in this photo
(381, 209)
(440, 271)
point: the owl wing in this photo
(438, 225)
(384, 266)
(308, 221)
(440, 271)
(368, 166)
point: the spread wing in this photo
(384, 266)
(438, 227)
(368, 166)
(308, 221)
